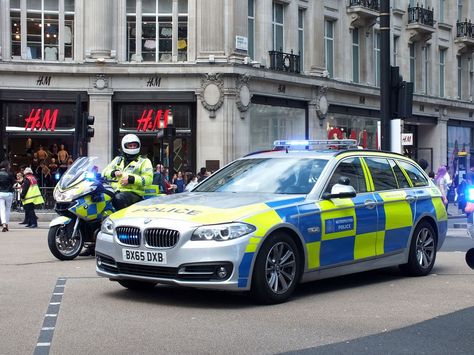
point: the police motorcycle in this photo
(83, 199)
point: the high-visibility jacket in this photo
(139, 171)
(33, 195)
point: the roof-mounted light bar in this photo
(335, 144)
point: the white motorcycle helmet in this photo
(127, 140)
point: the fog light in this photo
(99, 262)
(221, 272)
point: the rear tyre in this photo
(137, 285)
(62, 244)
(277, 270)
(422, 254)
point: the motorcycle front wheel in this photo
(62, 244)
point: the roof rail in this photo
(321, 144)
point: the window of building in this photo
(442, 68)
(382, 174)
(460, 15)
(426, 69)
(301, 13)
(329, 47)
(355, 55)
(396, 43)
(251, 28)
(411, 47)
(43, 39)
(459, 77)
(377, 57)
(277, 25)
(163, 30)
(442, 4)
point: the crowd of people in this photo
(179, 182)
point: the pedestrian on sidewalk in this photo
(6, 193)
(30, 196)
(442, 184)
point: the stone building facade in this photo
(233, 75)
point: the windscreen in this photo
(289, 175)
(77, 170)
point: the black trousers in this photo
(30, 216)
(124, 199)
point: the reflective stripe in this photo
(368, 177)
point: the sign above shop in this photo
(153, 120)
(407, 138)
(41, 120)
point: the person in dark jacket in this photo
(6, 193)
(30, 196)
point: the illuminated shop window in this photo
(160, 34)
(41, 39)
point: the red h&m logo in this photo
(151, 121)
(39, 121)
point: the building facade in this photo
(231, 76)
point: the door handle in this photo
(410, 199)
(370, 204)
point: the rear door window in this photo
(382, 174)
(402, 180)
(416, 176)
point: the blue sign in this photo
(339, 224)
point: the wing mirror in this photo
(340, 191)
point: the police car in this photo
(304, 211)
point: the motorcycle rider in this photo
(131, 174)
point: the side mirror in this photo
(340, 191)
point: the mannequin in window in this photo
(63, 155)
(42, 154)
(29, 147)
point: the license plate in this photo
(144, 256)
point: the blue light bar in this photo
(316, 144)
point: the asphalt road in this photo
(368, 313)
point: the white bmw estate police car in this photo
(270, 220)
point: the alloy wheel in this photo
(280, 267)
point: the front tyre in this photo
(277, 269)
(422, 254)
(62, 244)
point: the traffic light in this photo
(87, 130)
(401, 99)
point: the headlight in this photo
(107, 226)
(71, 194)
(221, 232)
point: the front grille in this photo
(161, 238)
(149, 271)
(128, 235)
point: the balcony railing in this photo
(420, 15)
(369, 4)
(465, 29)
(287, 62)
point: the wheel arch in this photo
(293, 234)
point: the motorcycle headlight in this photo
(107, 226)
(221, 232)
(71, 194)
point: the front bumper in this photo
(201, 264)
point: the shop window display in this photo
(43, 21)
(362, 129)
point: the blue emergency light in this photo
(90, 176)
(470, 194)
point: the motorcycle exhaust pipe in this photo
(470, 258)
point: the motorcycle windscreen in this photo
(77, 171)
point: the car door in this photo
(395, 205)
(348, 224)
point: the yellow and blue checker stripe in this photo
(92, 210)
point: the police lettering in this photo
(170, 210)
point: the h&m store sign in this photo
(46, 119)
